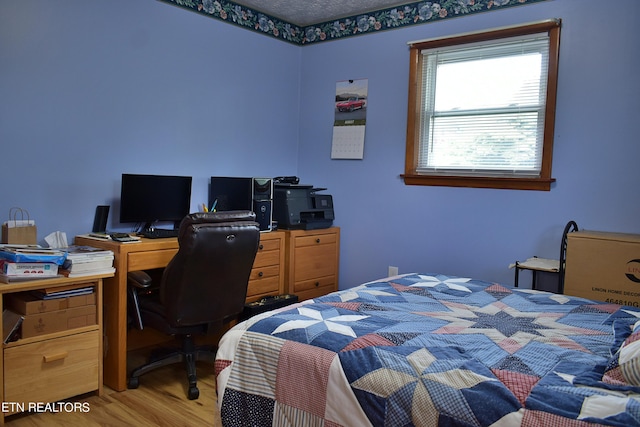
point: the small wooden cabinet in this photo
(52, 369)
(267, 277)
(312, 261)
(56, 365)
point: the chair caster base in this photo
(133, 382)
(194, 393)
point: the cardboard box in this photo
(60, 320)
(25, 303)
(603, 266)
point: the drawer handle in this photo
(317, 284)
(56, 356)
(260, 274)
(260, 247)
(318, 240)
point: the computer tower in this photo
(262, 201)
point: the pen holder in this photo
(20, 229)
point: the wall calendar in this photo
(350, 119)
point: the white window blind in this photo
(483, 110)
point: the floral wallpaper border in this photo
(419, 12)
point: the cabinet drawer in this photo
(147, 260)
(264, 258)
(315, 288)
(51, 370)
(322, 282)
(264, 272)
(315, 261)
(266, 286)
(268, 244)
(313, 240)
(264, 280)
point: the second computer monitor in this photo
(230, 193)
(243, 193)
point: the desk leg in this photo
(115, 323)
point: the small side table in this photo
(535, 264)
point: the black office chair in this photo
(203, 287)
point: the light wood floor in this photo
(161, 400)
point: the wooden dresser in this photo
(312, 261)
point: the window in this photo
(481, 109)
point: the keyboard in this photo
(159, 233)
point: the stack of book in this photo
(18, 263)
(61, 292)
(87, 261)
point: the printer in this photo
(298, 206)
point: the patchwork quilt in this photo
(433, 350)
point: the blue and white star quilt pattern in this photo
(429, 350)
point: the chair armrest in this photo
(139, 279)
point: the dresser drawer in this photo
(264, 258)
(307, 285)
(264, 280)
(315, 261)
(314, 240)
(315, 288)
(268, 244)
(259, 273)
(51, 370)
(263, 287)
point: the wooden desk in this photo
(49, 367)
(267, 278)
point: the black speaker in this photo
(100, 220)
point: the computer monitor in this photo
(154, 198)
(229, 193)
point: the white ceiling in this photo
(303, 13)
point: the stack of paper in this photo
(87, 261)
(25, 262)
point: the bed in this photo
(430, 349)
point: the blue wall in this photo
(479, 232)
(89, 90)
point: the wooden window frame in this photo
(544, 180)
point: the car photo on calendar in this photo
(351, 100)
(351, 104)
